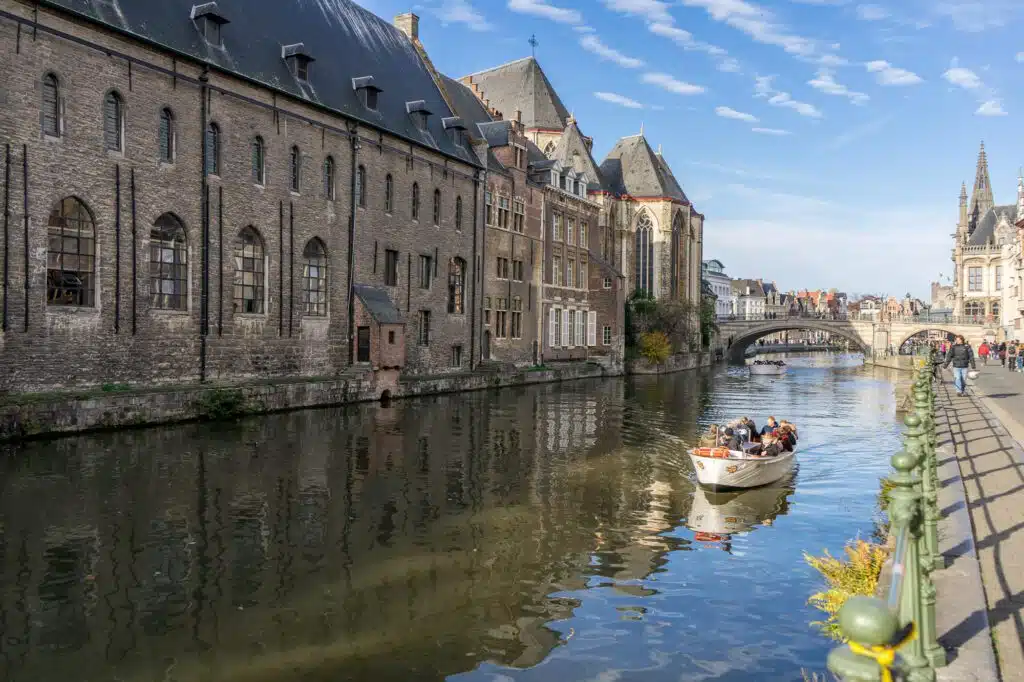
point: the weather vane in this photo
(533, 45)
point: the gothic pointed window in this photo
(113, 122)
(643, 256)
(314, 278)
(250, 273)
(51, 106)
(677, 235)
(259, 161)
(415, 201)
(389, 190)
(166, 136)
(456, 286)
(213, 149)
(296, 169)
(329, 178)
(71, 255)
(168, 264)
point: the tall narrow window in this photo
(424, 328)
(456, 286)
(51, 106)
(437, 207)
(166, 136)
(643, 256)
(314, 278)
(250, 273)
(113, 122)
(677, 232)
(259, 161)
(458, 214)
(361, 186)
(296, 169)
(329, 178)
(415, 201)
(389, 193)
(488, 208)
(213, 149)
(168, 264)
(391, 267)
(71, 255)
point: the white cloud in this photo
(592, 43)
(541, 8)
(887, 74)
(462, 12)
(763, 88)
(1020, 57)
(758, 23)
(825, 81)
(965, 78)
(685, 40)
(872, 12)
(667, 82)
(771, 131)
(975, 16)
(652, 10)
(727, 112)
(621, 100)
(992, 107)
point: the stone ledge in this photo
(680, 362)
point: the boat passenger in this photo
(787, 437)
(752, 429)
(731, 440)
(770, 427)
(771, 446)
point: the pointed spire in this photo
(641, 128)
(963, 193)
(981, 197)
(659, 149)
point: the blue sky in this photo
(824, 140)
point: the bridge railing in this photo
(767, 317)
(959, 320)
(896, 638)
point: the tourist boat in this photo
(768, 367)
(715, 517)
(719, 468)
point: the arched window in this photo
(361, 186)
(166, 136)
(389, 190)
(329, 178)
(168, 264)
(974, 309)
(113, 122)
(549, 149)
(677, 238)
(314, 278)
(456, 286)
(295, 163)
(51, 106)
(995, 310)
(437, 207)
(643, 256)
(250, 273)
(259, 161)
(71, 255)
(415, 201)
(458, 213)
(213, 149)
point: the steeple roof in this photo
(633, 168)
(981, 197)
(522, 85)
(571, 152)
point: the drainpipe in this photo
(480, 259)
(354, 140)
(204, 298)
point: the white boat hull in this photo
(768, 370)
(738, 471)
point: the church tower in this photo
(981, 197)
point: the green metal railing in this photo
(896, 639)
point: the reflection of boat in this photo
(723, 469)
(714, 517)
(768, 367)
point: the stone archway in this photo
(974, 338)
(743, 340)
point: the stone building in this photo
(750, 299)
(195, 191)
(713, 272)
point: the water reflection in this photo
(715, 517)
(526, 534)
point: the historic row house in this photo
(200, 191)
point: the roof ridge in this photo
(500, 66)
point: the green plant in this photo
(655, 346)
(115, 388)
(857, 574)
(220, 403)
(708, 320)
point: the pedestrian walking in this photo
(983, 351)
(1011, 356)
(1002, 353)
(961, 357)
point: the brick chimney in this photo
(409, 24)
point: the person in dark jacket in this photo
(961, 357)
(731, 440)
(769, 428)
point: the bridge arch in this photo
(742, 338)
(973, 335)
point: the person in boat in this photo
(787, 436)
(730, 439)
(770, 427)
(710, 438)
(771, 446)
(751, 428)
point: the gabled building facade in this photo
(721, 285)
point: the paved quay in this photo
(984, 435)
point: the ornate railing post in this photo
(869, 627)
(905, 517)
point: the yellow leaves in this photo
(857, 574)
(655, 346)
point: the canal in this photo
(541, 533)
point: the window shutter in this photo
(581, 317)
(565, 328)
(256, 163)
(51, 108)
(552, 320)
(592, 328)
(165, 135)
(110, 124)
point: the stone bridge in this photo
(866, 335)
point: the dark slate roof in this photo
(985, 232)
(571, 152)
(768, 287)
(346, 40)
(378, 303)
(523, 85)
(676, 188)
(740, 287)
(496, 133)
(466, 103)
(633, 168)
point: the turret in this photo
(962, 223)
(981, 197)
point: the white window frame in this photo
(553, 327)
(565, 328)
(592, 328)
(581, 328)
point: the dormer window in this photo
(455, 127)
(208, 19)
(555, 177)
(367, 91)
(419, 113)
(298, 60)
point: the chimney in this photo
(409, 24)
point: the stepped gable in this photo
(467, 106)
(521, 85)
(571, 152)
(632, 168)
(985, 230)
(346, 41)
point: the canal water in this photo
(534, 534)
